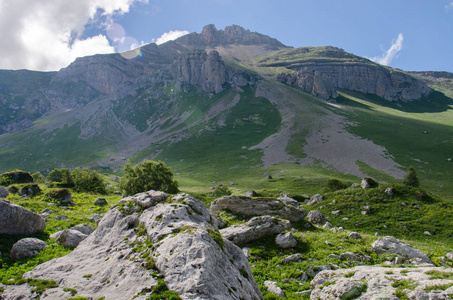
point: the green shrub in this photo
(149, 175)
(411, 178)
(15, 177)
(334, 184)
(38, 178)
(61, 176)
(86, 180)
(60, 196)
(221, 190)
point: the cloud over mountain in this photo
(387, 57)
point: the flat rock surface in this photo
(258, 207)
(335, 285)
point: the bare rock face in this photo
(27, 247)
(15, 219)
(337, 285)
(389, 244)
(335, 69)
(176, 238)
(205, 71)
(255, 229)
(3, 192)
(258, 207)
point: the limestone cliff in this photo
(204, 70)
(322, 70)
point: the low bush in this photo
(15, 177)
(86, 180)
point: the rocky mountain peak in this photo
(235, 34)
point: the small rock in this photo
(289, 201)
(61, 218)
(427, 232)
(449, 255)
(417, 206)
(403, 204)
(328, 243)
(71, 238)
(334, 256)
(250, 194)
(315, 199)
(366, 207)
(390, 191)
(335, 212)
(3, 192)
(345, 218)
(26, 248)
(231, 183)
(100, 202)
(274, 289)
(246, 251)
(316, 217)
(328, 225)
(84, 228)
(365, 212)
(286, 240)
(398, 260)
(377, 234)
(385, 226)
(95, 218)
(293, 258)
(337, 229)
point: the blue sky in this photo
(410, 35)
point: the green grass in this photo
(409, 131)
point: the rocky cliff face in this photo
(235, 34)
(205, 71)
(320, 71)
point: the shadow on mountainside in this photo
(433, 103)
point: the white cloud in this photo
(390, 54)
(46, 35)
(170, 36)
(449, 6)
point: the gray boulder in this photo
(29, 190)
(83, 228)
(100, 202)
(289, 201)
(61, 217)
(286, 240)
(354, 257)
(258, 207)
(354, 235)
(26, 248)
(70, 238)
(293, 258)
(274, 289)
(389, 191)
(315, 199)
(188, 252)
(390, 244)
(316, 217)
(3, 192)
(255, 229)
(349, 283)
(15, 220)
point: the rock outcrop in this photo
(374, 283)
(255, 229)
(176, 238)
(388, 244)
(258, 207)
(322, 70)
(15, 219)
(204, 70)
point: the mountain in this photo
(230, 105)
